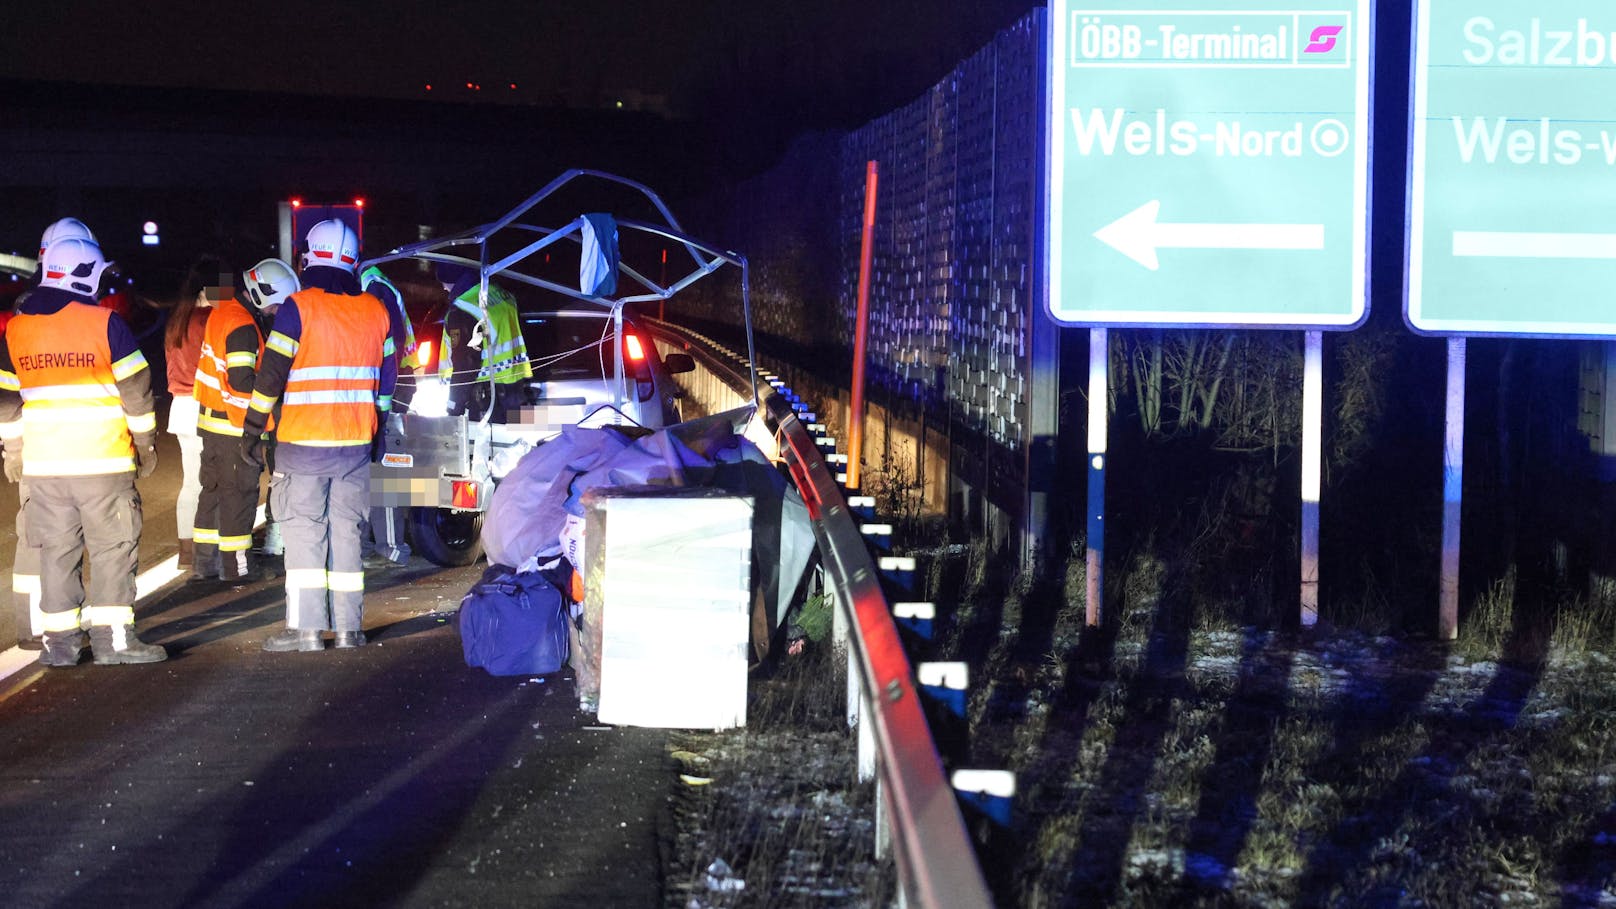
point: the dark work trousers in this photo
(225, 508)
(320, 520)
(69, 515)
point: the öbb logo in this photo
(1323, 39)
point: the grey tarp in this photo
(530, 506)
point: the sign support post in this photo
(1312, 470)
(1452, 490)
(1099, 400)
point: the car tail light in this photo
(634, 354)
(423, 353)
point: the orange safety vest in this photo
(72, 414)
(330, 396)
(224, 410)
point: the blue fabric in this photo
(514, 624)
(597, 266)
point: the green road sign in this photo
(1512, 185)
(1209, 166)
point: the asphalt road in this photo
(390, 775)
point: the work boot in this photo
(233, 566)
(117, 644)
(349, 639)
(62, 648)
(187, 555)
(288, 640)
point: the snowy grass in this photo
(1177, 758)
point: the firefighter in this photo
(478, 349)
(25, 566)
(330, 363)
(76, 419)
(386, 524)
(231, 348)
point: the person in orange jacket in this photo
(330, 365)
(232, 345)
(76, 420)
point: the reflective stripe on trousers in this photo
(67, 517)
(320, 519)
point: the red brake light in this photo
(636, 353)
(423, 353)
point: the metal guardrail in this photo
(921, 821)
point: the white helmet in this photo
(72, 264)
(64, 229)
(269, 283)
(332, 242)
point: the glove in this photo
(147, 455)
(14, 468)
(252, 451)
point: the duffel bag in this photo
(514, 624)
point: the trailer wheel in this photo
(447, 537)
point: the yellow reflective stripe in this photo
(217, 425)
(327, 443)
(305, 579)
(109, 615)
(60, 621)
(90, 391)
(384, 403)
(77, 467)
(202, 535)
(128, 366)
(73, 414)
(146, 422)
(261, 402)
(346, 581)
(11, 431)
(282, 344)
(236, 543)
(8, 381)
(247, 358)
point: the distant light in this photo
(297, 203)
(150, 240)
(513, 86)
(429, 86)
(359, 202)
(619, 105)
(149, 228)
(478, 87)
(469, 85)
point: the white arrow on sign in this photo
(1490, 244)
(1138, 235)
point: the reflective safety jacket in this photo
(231, 346)
(504, 352)
(335, 383)
(376, 284)
(75, 392)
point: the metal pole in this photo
(1099, 348)
(855, 420)
(1312, 446)
(1452, 491)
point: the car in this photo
(594, 359)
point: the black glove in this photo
(252, 451)
(14, 468)
(147, 456)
